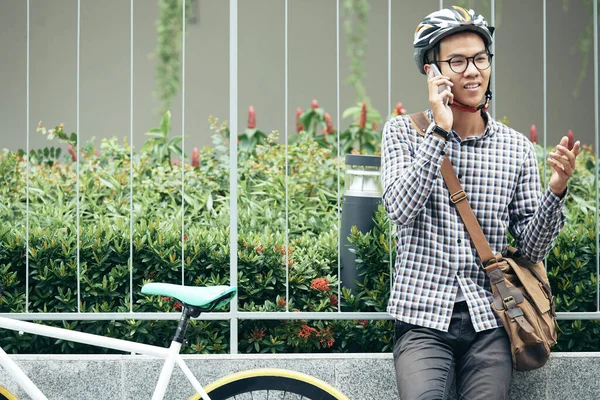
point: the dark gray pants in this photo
(427, 360)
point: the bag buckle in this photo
(509, 302)
(458, 196)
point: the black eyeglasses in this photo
(459, 64)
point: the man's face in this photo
(469, 86)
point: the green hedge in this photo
(105, 194)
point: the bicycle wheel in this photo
(6, 395)
(271, 384)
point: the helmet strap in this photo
(483, 107)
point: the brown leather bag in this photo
(522, 297)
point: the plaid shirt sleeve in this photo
(408, 174)
(535, 223)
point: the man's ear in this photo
(426, 68)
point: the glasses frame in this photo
(490, 55)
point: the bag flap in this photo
(531, 284)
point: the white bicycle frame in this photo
(170, 355)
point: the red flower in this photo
(96, 152)
(314, 104)
(328, 124)
(195, 157)
(251, 118)
(533, 134)
(306, 331)
(259, 249)
(321, 284)
(175, 162)
(299, 125)
(362, 121)
(281, 302)
(165, 298)
(333, 300)
(374, 125)
(571, 140)
(363, 322)
(177, 305)
(257, 334)
(72, 153)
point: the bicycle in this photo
(194, 300)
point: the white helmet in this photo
(445, 22)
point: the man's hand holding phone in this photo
(440, 96)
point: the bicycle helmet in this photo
(446, 22)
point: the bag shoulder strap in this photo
(420, 122)
(458, 196)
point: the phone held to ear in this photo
(441, 88)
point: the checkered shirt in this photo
(499, 173)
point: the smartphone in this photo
(437, 72)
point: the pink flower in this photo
(299, 125)
(251, 118)
(72, 153)
(328, 124)
(314, 104)
(374, 125)
(533, 134)
(571, 140)
(399, 109)
(195, 157)
(362, 121)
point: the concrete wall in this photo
(105, 65)
(359, 376)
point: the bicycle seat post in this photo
(187, 313)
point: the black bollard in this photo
(362, 197)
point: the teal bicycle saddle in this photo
(207, 298)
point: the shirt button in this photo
(459, 241)
(460, 176)
(443, 153)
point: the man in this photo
(445, 327)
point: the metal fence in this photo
(234, 314)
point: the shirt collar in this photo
(491, 127)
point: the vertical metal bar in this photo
(183, 4)
(441, 4)
(233, 128)
(493, 50)
(131, 156)
(389, 80)
(545, 83)
(596, 147)
(27, 170)
(339, 144)
(285, 113)
(78, 157)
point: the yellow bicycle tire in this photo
(266, 379)
(6, 395)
